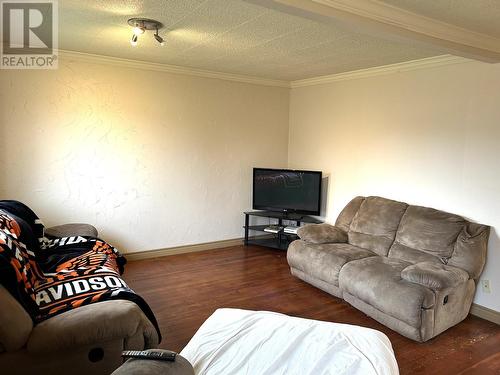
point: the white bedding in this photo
(233, 341)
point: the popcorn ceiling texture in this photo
(228, 36)
(152, 159)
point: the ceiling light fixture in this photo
(138, 30)
(133, 41)
(159, 39)
(141, 25)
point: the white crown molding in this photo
(391, 22)
(392, 15)
(429, 62)
(128, 63)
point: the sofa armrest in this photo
(67, 230)
(435, 276)
(93, 324)
(135, 366)
(322, 233)
(470, 249)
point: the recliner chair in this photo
(86, 340)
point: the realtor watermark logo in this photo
(29, 34)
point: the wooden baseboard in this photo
(476, 310)
(148, 254)
(485, 313)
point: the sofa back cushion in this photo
(345, 217)
(408, 254)
(427, 230)
(375, 224)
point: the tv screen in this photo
(287, 190)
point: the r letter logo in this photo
(29, 35)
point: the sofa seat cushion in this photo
(92, 324)
(434, 275)
(377, 281)
(323, 261)
(322, 233)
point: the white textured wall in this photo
(157, 160)
(152, 159)
(428, 137)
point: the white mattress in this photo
(233, 341)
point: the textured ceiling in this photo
(230, 36)
(477, 15)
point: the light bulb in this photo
(133, 41)
(138, 30)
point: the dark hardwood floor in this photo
(184, 290)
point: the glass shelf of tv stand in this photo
(279, 240)
(260, 228)
(270, 242)
(284, 216)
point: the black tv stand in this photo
(279, 240)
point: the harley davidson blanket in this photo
(51, 275)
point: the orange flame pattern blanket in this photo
(51, 275)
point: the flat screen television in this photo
(286, 190)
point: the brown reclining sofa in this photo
(413, 269)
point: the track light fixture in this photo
(141, 25)
(138, 30)
(159, 39)
(133, 41)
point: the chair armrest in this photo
(135, 366)
(92, 324)
(435, 276)
(67, 230)
(322, 233)
(15, 323)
